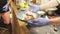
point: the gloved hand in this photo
(5, 8)
(34, 8)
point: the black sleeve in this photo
(58, 10)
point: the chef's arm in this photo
(51, 3)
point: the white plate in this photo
(41, 12)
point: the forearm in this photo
(8, 2)
(52, 3)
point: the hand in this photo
(5, 8)
(29, 12)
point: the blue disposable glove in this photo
(5, 8)
(34, 8)
(38, 22)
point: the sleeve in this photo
(50, 4)
(58, 1)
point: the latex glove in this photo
(34, 8)
(5, 8)
(31, 5)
